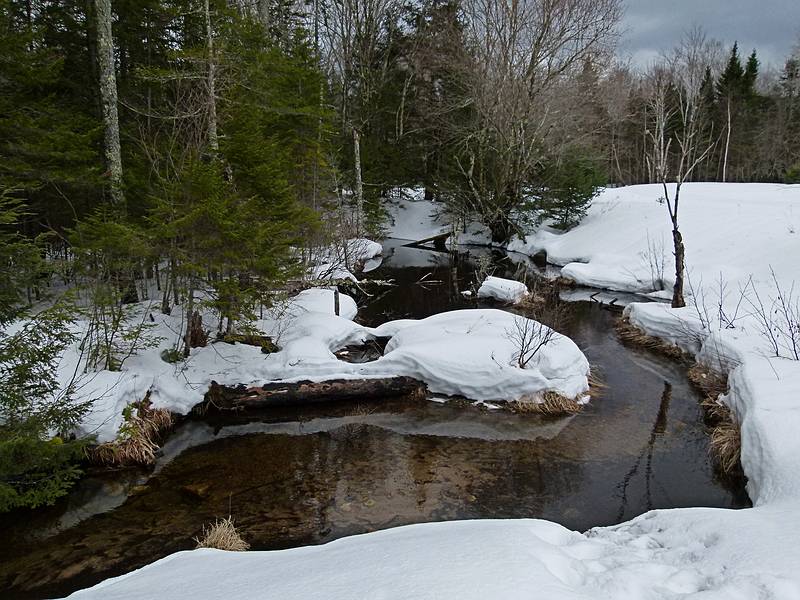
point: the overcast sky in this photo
(772, 27)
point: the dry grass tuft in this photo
(707, 380)
(533, 301)
(714, 411)
(633, 336)
(597, 387)
(138, 440)
(712, 384)
(564, 282)
(726, 445)
(222, 535)
(550, 404)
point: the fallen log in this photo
(241, 397)
(439, 242)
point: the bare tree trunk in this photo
(359, 191)
(680, 265)
(188, 316)
(727, 145)
(213, 138)
(108, 99)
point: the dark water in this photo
(309, 476)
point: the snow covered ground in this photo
(739, 230)
(469, 353)
(625, 241)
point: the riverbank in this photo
(690, 553)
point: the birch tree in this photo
(108, 99)
(354, 32)
(213, 138)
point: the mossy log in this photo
(241, 397)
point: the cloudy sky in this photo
(772, 27)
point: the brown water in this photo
(307, 476)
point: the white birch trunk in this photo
(108, 99)
(359, 191)
(727, 145)
(213, 137)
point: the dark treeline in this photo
(205, 150)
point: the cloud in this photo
(771, 27)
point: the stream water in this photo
(308, 476)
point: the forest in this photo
(191, 165)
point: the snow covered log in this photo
(503, 290)
(222, 397)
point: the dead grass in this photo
(362, 410)
(597, 387)
(712, 384)
(532, 301)
(564, 282)
(707, 380)
(549, 404)
(138, 442)
(633, 336)
(726, 445)
(222, 535)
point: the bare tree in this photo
(529, 337)
(354, 41)
(520, 55)
(676, 134)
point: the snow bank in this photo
(473, 353)
(468, 353)
(688, 553)
(336, 262)
(304, 326)
(504, 290)
(733, 229)
(411, 217)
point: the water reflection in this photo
(297, 477)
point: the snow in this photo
(412, 218)
(503, 290)
(335, 262)
(467, 353)
(739, 230)
(321, 300)
(736, 229)
(687, 553)
(473, 353)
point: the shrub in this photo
(792, 174)
(36, 468)
(568, 187)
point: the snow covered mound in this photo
(625, 241)
(459, 560)
(688, 553)
(474, 353)
(361, 249)
(503, 290)
(411, 217)
(321, 300)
